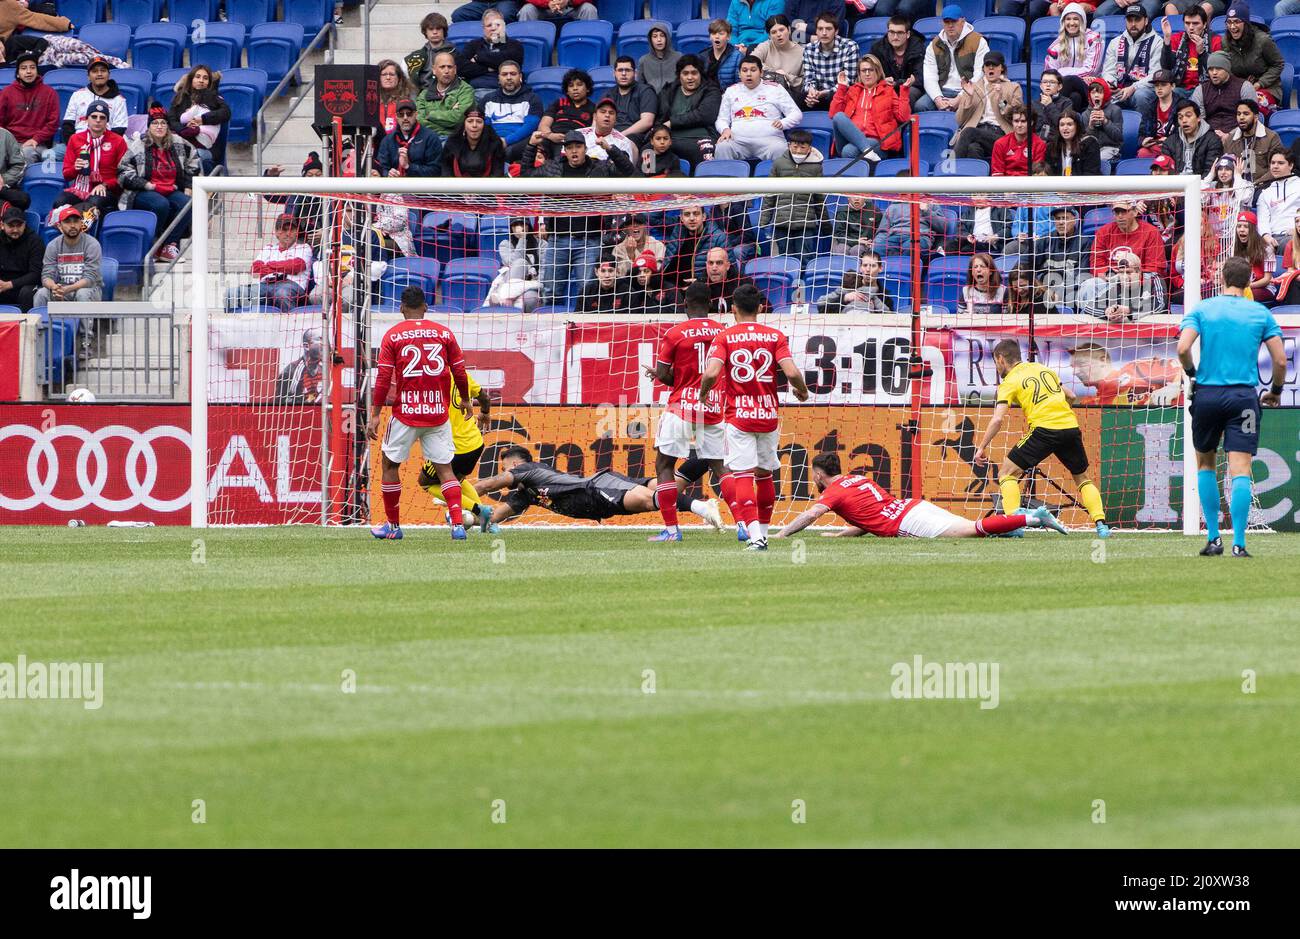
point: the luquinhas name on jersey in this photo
(747, 408)
(417, 401)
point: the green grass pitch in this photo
(514, 669)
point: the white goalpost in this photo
(901, 392)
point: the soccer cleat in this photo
(741, 533)
(1047, 520)
(485, 523)
(387, 532)
(757, 544)
(1103, 530)
(458, 533)
(712, 515)
(666, 535)
(1213, 548)
(1239, 551)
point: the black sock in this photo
(693, 470)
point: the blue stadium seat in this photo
(868, 29)
(311, 15)
(1285, 31)
(1286, 79)
(944, 280)
(44, 187)
(928, 26)
(825, 273)
(1042, 33)
(1017, 72)
(393, 283)
(976, 9)
(1005, 34)
(219, 46)
(250, 13)
(692, 36)
(1286, 124)
(6, 77)
(1113, 26)
(1094, 219)
(135, 85)
(492, 230)
(1132, 124)
(127, 235)
(854, 167)
(963, 166)
(187, 12)
(425, 267)
(538, 40)
(244, 90)
(818, 123)
(108, 269)
(674, 11)
(547, 83)
(1005, 263)
(602, 77)
(112, 39)
(133, 13)
(465, 281)
(65, 81)
(1134, 166)
(621, 11)
(553, 310)
(763, 168)
(164, 85)
(775, 277)
(274, 47)
(156, 47)
(498, 310)
(897, 275)
(634, 37)
(460, 34)
(886, 169)
(447, 236)
(724, 168)
(585, 44)
(82, 11)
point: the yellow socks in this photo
(1010, 495)
(1091, 500)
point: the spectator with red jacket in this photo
(1131, 232)
(30, 109)
(1014, 153)
(282, 267)
(866, 115)
(557, 11)
(90, 164)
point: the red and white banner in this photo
(101, 463)
(11, 361)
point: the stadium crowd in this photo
(797, 88)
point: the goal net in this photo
(892, 291)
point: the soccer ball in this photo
(81, 396)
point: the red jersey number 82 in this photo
(747, 366)
(426, 359)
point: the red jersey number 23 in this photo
(426, 358)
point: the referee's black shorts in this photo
(1230, 412)
(1067, 445)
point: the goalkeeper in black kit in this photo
(593, 498)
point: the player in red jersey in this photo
(869, 509)
(686, 421)
(745, 355)
(420, 358)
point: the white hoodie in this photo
(933, 81)
(749, 113)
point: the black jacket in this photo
(580, 226)
(210, 98)
(488, 159)
(21, 260)
(1087, 162)
(703, 115)
(913, 60)
(479, 58)
(424, 150)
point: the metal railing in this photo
(129, 354)
(153, 277)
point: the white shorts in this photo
(436, 443)
(927, 520)
(674, 436)
(748, 450)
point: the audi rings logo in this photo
(91, 488)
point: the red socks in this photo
(766, 493)
(745, 508)
(999, 524)
(728, 486)
(666, 499)
(392, 502)
(451, 495)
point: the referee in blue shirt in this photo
(1224, 401)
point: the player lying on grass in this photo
(1053, 429)
(467, 435)
(594, 498)
(871, 510)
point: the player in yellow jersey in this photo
(1053, 429)
(467, 435)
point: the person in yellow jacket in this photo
(467, 435)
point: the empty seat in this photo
(244, 90)
(274, 47)
(538, 39)
(112, 39)
(585, 44)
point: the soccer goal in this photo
(892, 291)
